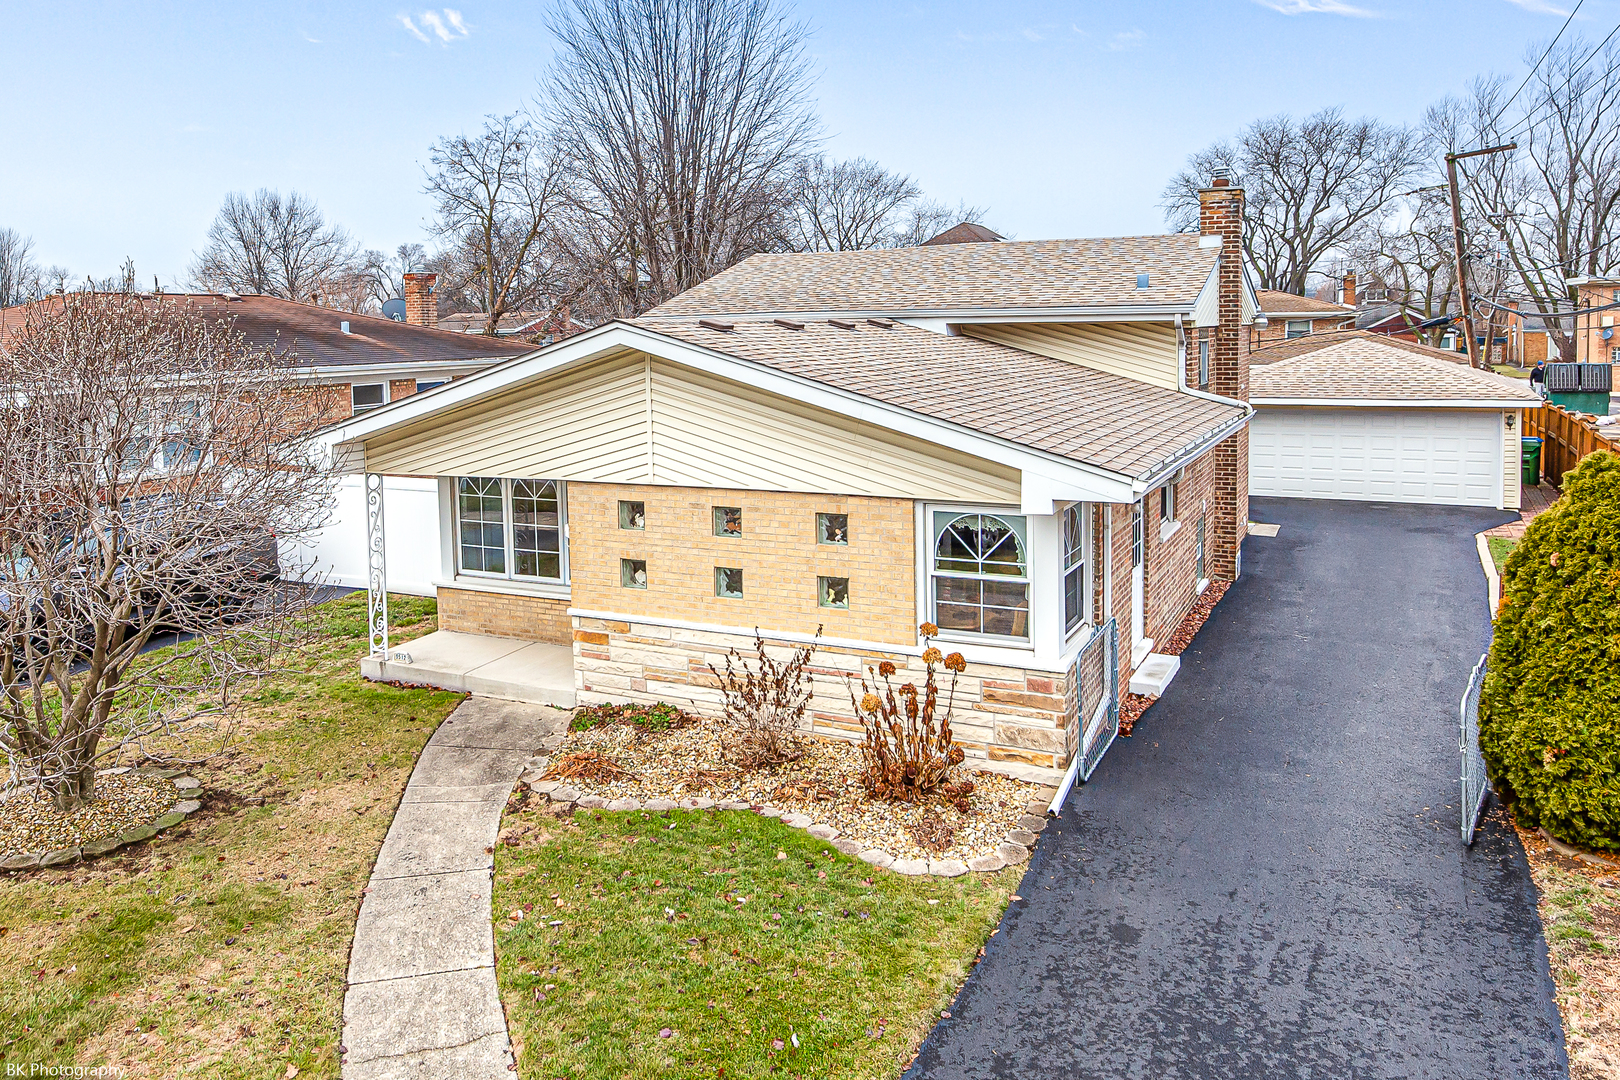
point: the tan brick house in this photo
(1287, 316)
(1034, 445)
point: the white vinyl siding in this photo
(1145, 352)
(1449, 456)
(632, 419)
(1512, 493)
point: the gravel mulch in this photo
(686, 762)
(123, 801)
(1195, 618)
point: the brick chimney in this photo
(1347, 289)
(1220, 214)
(421, 306)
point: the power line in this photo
(1531, 73)
(1524, 124)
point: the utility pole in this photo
(1464, 298)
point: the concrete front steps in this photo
(530, 671)
(1152, 676)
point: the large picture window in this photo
(510, 528)
(1074, 567)
(980, 573)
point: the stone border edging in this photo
(1012, 851)
(1573, 852)
(184, 808)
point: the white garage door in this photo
(1380, 455)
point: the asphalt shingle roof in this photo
(1356, 364)
(1051, 405)
(1016, 274)
(1274, 300)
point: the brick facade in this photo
(1221, 214)
(1171, 579)
(1276, 328)
(508, 615)
(1006, 719)
(401, 388)
(777, 553)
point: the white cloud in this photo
(1540, 7)
(406, 19)
(1126, 39)
(446, 24)
(1324, 7)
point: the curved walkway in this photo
(1267, 879)
(421, 999)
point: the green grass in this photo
(1501, 547)
(655, 936)
(219, 949)
(1511, 371)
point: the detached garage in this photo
(1355, 415)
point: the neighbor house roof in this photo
(313, 336)
(1357, 365)
(1109, 421)
(529, 324)
(966, 233)
(1015, 275)
(1276, 302)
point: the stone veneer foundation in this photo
(1009, 720)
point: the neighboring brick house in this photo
(1288, 316)
(1023, 442)
(1596, 340)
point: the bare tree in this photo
(847, 205)
(497, 193)
(1309, 186)
(1551, 205)
(152, 461)
(682, 123)
(19, 274)
(1408, 254)
(385, 274)
(277, 246)
(927, 218)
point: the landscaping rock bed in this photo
(131, 805)
(684, 767)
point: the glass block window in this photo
(832, 528)
(728, 582)
(482, 521)
(1074, 567)
(728, 521)
(633, 573)
(832, 592)
(511, 528)
(632, 515)
(980, 573)
(536, 529)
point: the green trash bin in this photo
(1530, 458)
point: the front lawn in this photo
(709, 944)
(219, 949)
(1501, 547)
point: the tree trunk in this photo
(73, 789)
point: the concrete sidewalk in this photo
(422, 1000)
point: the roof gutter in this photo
(1219, 435)
(1406, 403)
(957, 315)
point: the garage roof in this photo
(1355, 366)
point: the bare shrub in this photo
(906, 746)
(765, 705)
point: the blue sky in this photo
(128, 123)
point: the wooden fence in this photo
(1565, 439)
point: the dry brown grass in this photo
(1580, 911)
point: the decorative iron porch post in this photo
(376, 568)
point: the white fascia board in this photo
(1401, 403)
(1098, 313)
(1078, 480)
(401, 369)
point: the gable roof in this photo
(1109, 421)
(966, 279)
(1275, 301)
(313, 336)
(967, 232)
(1356, 365)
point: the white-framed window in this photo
(511, 528)
(1294, 328)
(1203, 357)
(363, 396)
(978, 571)
(1168, 522)
(1614, 354)
(1075, 593)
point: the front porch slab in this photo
(497, 667)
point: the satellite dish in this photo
(394, 309)
(1607, 333)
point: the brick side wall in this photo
(777, 553)
(1006, 719)
(1277, 329)
(401, 388)
(1172, 561)
(1221, 214)
(327, 403)
(530, 618)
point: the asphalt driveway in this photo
(1267, 879)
